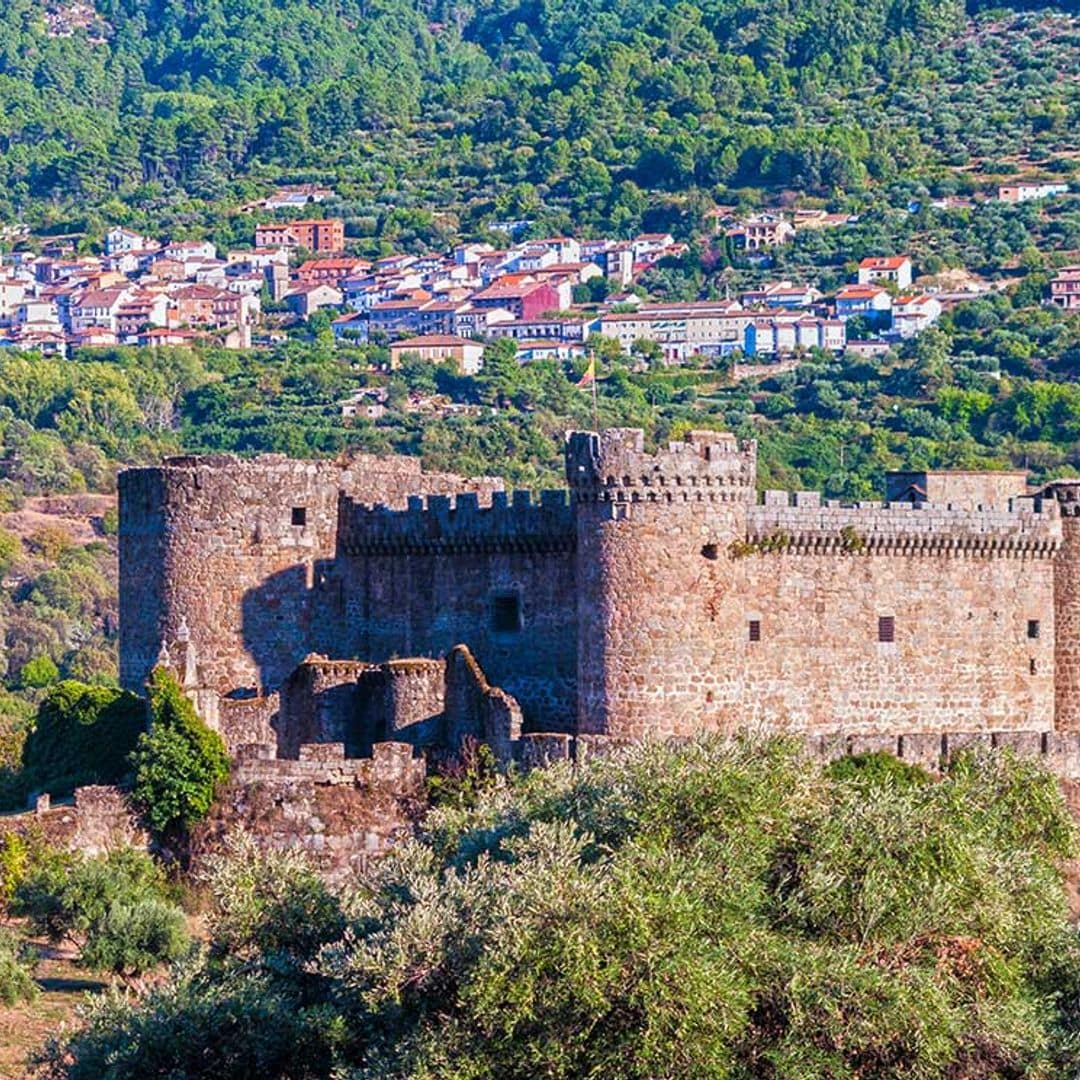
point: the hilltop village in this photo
(549, 295)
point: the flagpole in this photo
(595, 408)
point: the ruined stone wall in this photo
(403, 701)
(97, 820)
(241, 552)
(318, 705)
(477, 709)
(418, 582)
(658, 615)
(244, 722)
(339, 812)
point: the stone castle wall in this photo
(657, 596)
(340, 812)
(658, 620)
(242, 552)
(419, 581)
(970, 595)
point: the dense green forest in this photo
(431, 118)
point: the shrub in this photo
(17, 963)
(711, 909)
(14, 863)
(132, 938)
(82, 735)
(116, 905)
(179, 763)
(39, 672)
(50, 542)
(874, 769)
(268, 903)
(10, 547)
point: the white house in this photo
(912, 315)
(894, 268)
(119, 241)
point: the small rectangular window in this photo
(506, 613)
(886, 628)
(1033, 628)
(299, 515)
(755, 629)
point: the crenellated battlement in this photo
(802, 523)
(1066, 494)
(613, 466)
(465, 523)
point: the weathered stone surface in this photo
(339, 812)
(657, 597)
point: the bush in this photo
(713, 909)
(39, 672)
(10, 547)
(179, 764)
(17, 963)
(132, 938)
(50, 542)
(14, 863)
(116, 905)
(82, 735)
(875, 769)
(268, 904)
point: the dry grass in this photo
(73, 513)
(64, 987)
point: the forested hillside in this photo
(432, 117)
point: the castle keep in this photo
(353, 603)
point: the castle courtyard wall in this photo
(419, 582)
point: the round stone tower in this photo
(658, 617)
(1067, 607)
(225, 551)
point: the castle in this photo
(353, 603)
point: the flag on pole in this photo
(590, 373)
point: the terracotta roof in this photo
(432, 340)
(859, 292)
(890, 262)
(96, 298)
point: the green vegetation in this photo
(178, 764)
(430, 119)
(82, 735)
(17, 964)
(715, 909)
(116, 908)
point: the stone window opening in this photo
(711, 551)
(754, 630)
(299, 515)
(1033, 629)
(506, 615)
(1033, 667)
(886, 629)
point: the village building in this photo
(439, 348)
(319, 235)
(1065, 288)
(894, 268)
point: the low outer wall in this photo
(99, 819)
(340, 812)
